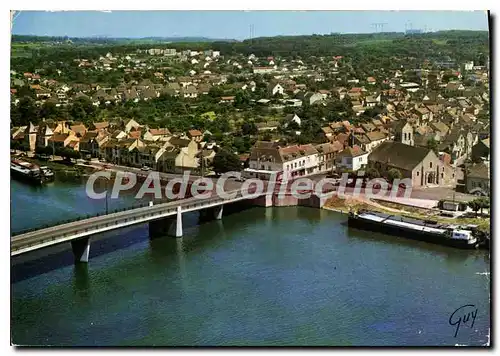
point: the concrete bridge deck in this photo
(79, 230)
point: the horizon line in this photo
(248, 38)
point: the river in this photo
(259, 277)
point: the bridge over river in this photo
(164, 218)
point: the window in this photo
(360, 159)
(287, 167)
(295, 164)
(442, 175)
(405, 136)
(430, 164)
(262, 167)
(418, 173)
(409, 136)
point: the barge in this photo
(47, 173)
(465, 237)
(26, 172)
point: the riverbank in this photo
(350, 203)
(63, 170)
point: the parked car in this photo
(145, 168)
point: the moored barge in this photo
(47, 173)
(465, 237)
(26, 172)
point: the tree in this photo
(394, 174)
(372, 173)
(432, 144)
(249, 128)
(50, 110)
(43, 150)
(294, 126)
(239, 144)
(15, 144)
(26, 112)
(23, 146)
(479, 204)
(216, 92)
(67, 153)
(225, 161)
(241, 100)
(82, 109)
(474, 205)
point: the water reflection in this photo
(181, 260)
(234, 281)
(451, 254)
(268, 215)
(81, 282)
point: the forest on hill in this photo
(459, 45)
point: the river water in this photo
(276, 276)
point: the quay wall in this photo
(274, 200)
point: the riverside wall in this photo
(274, 200)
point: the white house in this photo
(352, 158)
(276, 89)
(370, 101)
(411, 87)
(267, 158)
(263, 70)
(293, 102)
(292, 118)
(469, 65)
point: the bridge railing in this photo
(78, 218)
(89, 216)
(83, 227)
(98, 223)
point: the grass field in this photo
(439, 42)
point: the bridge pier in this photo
(167, 226)
(218, 212)
(178, 225)
(211, 213)
(81, 249)
(264, 200)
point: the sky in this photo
(236, 24)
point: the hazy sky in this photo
(236, 24)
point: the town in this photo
(206, 110)
(250, 178)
